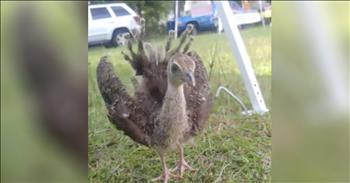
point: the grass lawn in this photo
(233, 148)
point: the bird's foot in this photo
(181, 166)
(166, 175)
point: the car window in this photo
(99, 13)
(119, 11)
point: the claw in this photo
(166, 173)
(182, 166)
(165, 177)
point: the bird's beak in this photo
(189, 78)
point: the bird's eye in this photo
(175, 68)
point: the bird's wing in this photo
(198, 98)
(123, 110)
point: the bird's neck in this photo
(175, 99)
(173, 118)
(175, 92)
(173, 113)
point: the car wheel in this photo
(120, 38)
(195, 28)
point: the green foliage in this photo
(153, 12)
(233, 148)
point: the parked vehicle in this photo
(112, 24)
(203, 15)
(267, 12)
(244, 17)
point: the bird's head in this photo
(181, 70)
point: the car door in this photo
(122, 16)
(98, 24)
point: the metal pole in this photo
(327, 57)
(245, 110)
(219, 25)
(176, 15)
(242, 58)
(261, 13)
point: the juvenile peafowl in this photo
(170, 105)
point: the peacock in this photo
(170, 105)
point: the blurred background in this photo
(107, 20)
(310, 86)
(43, 92)
(44, 88)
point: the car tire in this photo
(120, 37)
(195, 28)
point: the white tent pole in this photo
(176, 15)
(327, 57)
(242, 58)
(261, 13)
(219, 25)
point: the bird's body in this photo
(172, 124)
(170, 105)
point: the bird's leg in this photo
(182, 165)
(166, 173)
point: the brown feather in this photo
(137, 116)
(123, 111)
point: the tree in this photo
(153, 12)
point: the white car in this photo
(112, 24)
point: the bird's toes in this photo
(175, 176)
(187, 166)
(180, 169)
(182, 166)
(165, 177)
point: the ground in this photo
(233, 148)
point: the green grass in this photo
(233, 148)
